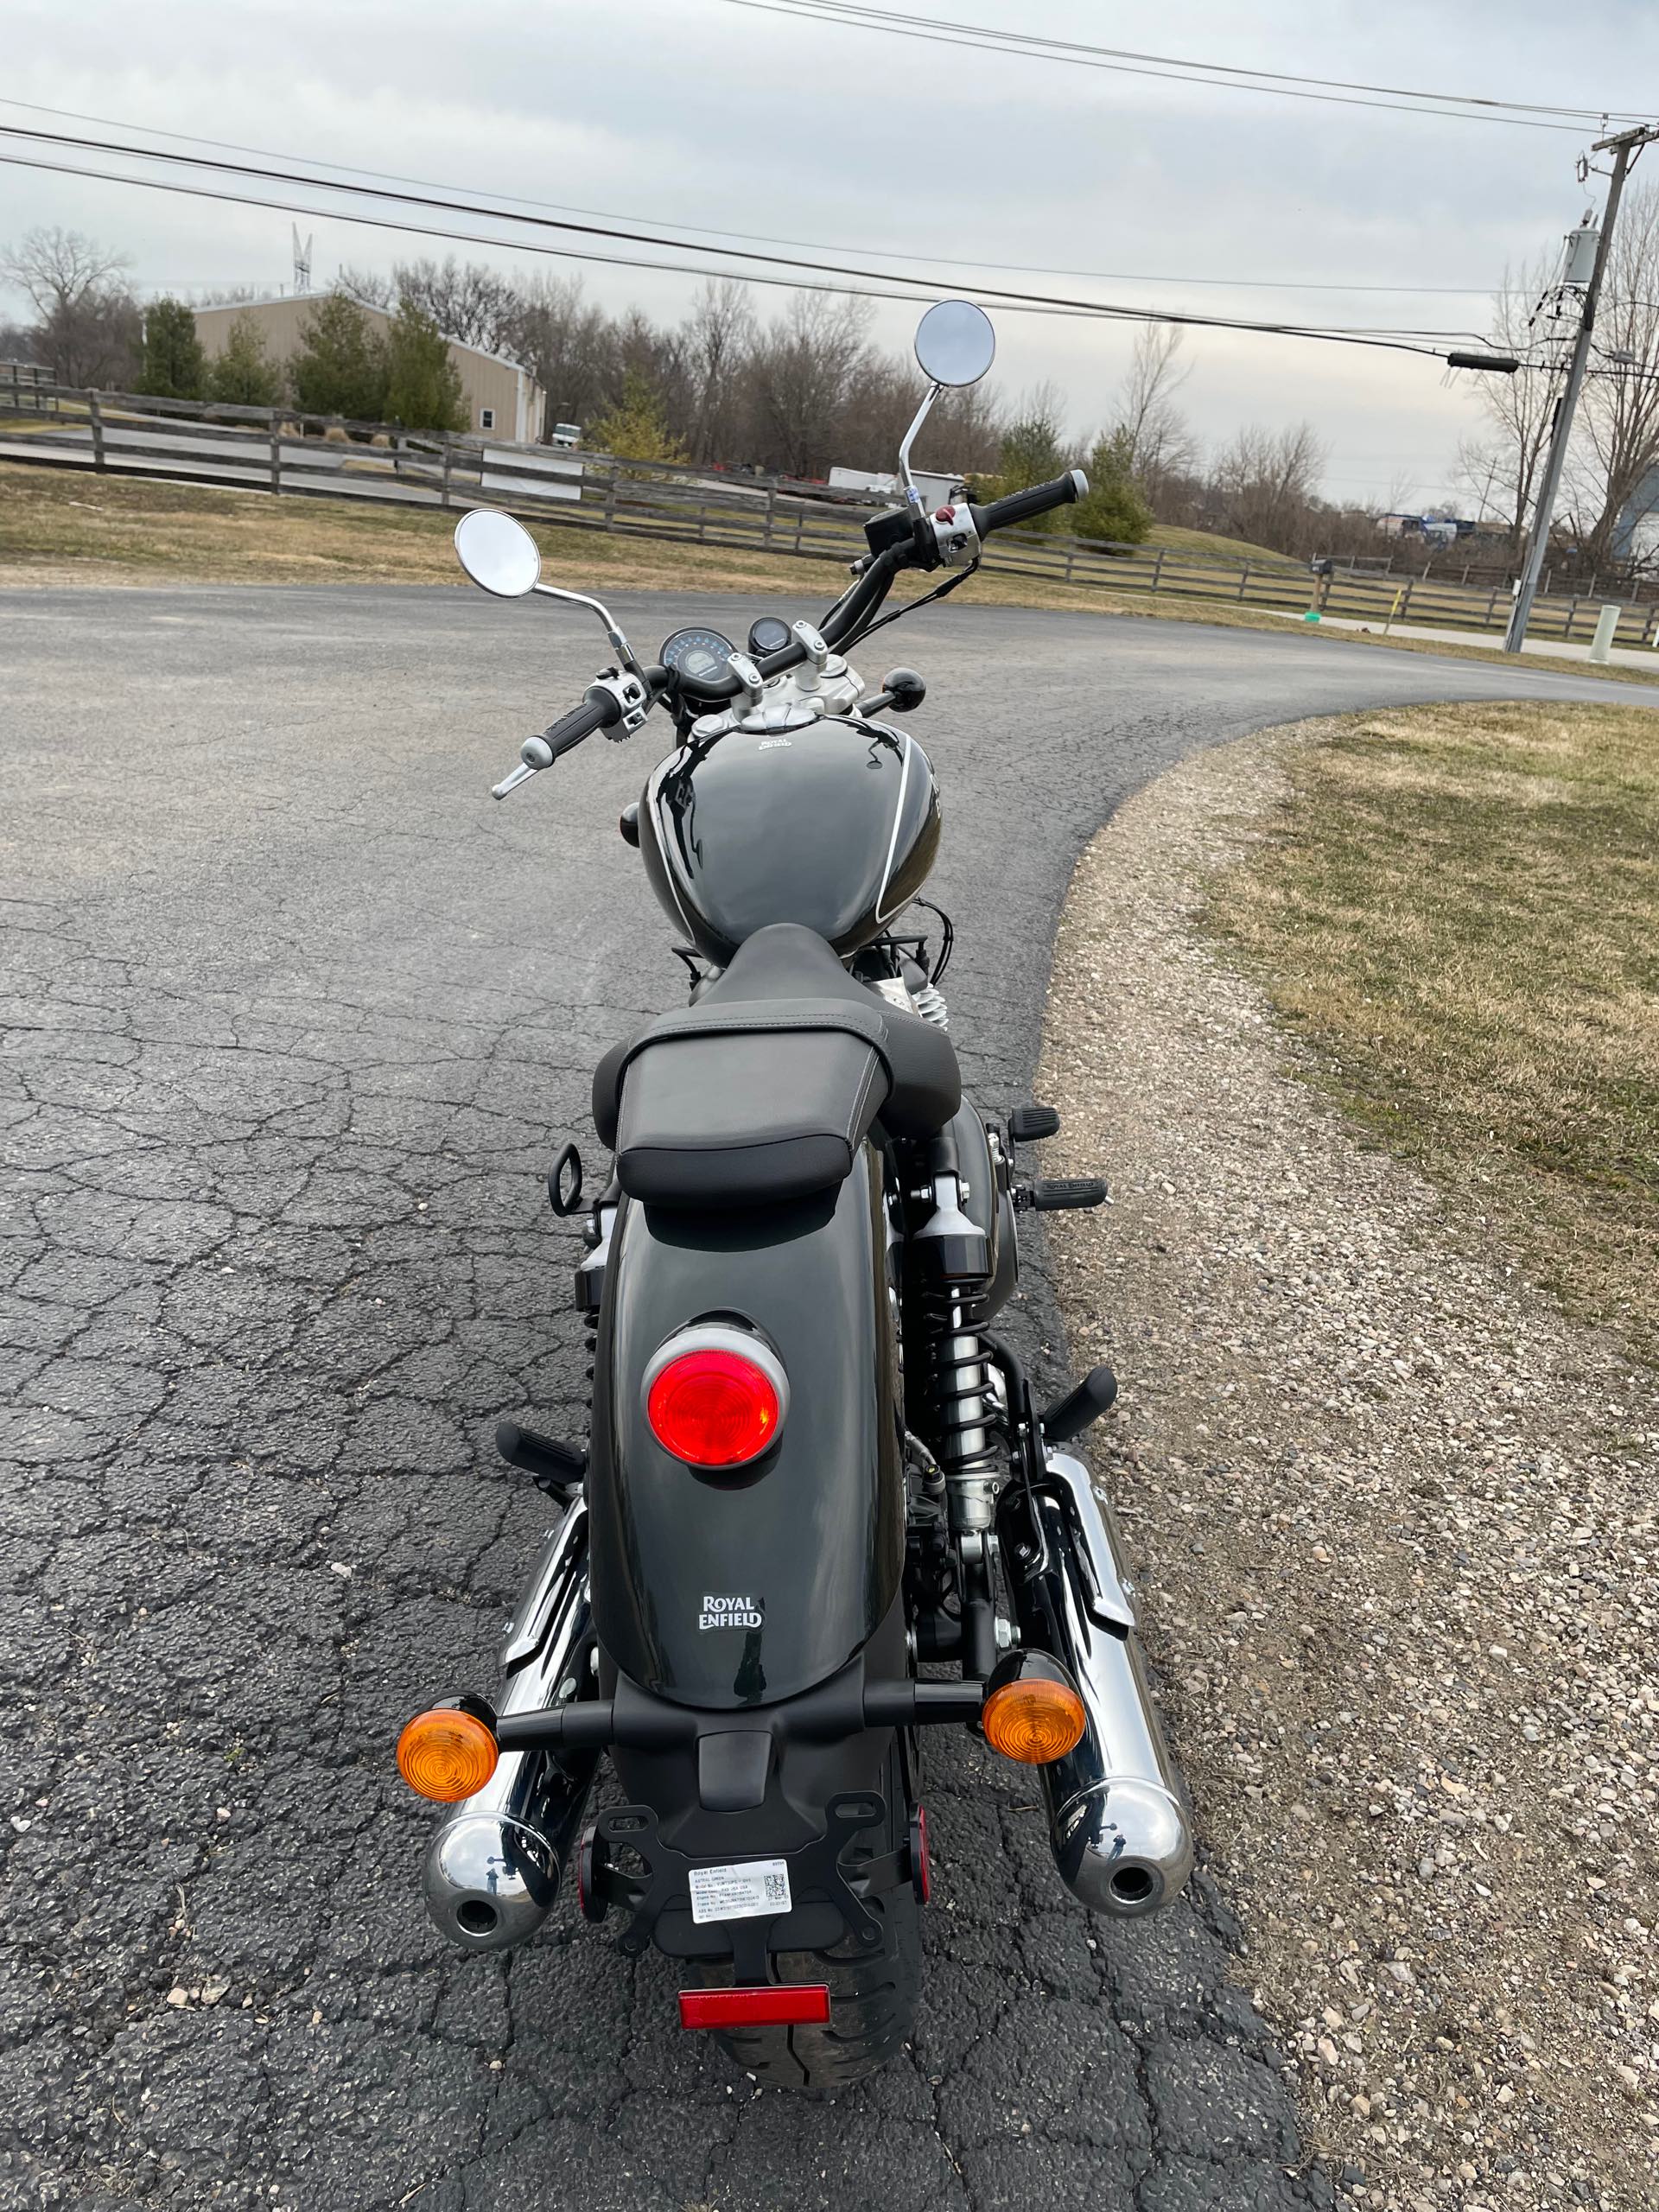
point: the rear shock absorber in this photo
(954, 1263)
(955, 1260)
(962, 1404)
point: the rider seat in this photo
(764, 1090)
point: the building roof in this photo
(292, 299)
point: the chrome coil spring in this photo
(930, 1004)
(964, 1409)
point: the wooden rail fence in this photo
(286, 451)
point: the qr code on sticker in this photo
(777, 1887)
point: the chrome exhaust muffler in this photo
(1117, 1819)
(493, 1867)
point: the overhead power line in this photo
(761, 237)
(917, 284)
(1467, 107)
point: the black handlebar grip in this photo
(597, 711)
(1021, 506)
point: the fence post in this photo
(1070, 556)
(1405, 597)
(1243, 578)
(1492, 608)
(610, 501)
(96, 415)
(449, 457)
(772, 512)
(1158, 567)
(276, 449)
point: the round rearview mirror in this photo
(955, 342)
(498, 552)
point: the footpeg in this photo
(1059, 1193)
(1079, 1408)
(1030, 1124)
(556, 1468)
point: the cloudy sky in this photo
(735, 120)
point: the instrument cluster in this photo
(700, 654)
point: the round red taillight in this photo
(714, 1408)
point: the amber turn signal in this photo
(446, 1754)
(1034, 1715)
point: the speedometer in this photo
(699, 654)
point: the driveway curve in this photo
(294, 1017)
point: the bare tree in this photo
(470, 302)
(717, 337)
(90, 327)
(802, 372)
(1268, 482)
(1620, 414)
(569, 346)
(1502, 469)
(1160, 447)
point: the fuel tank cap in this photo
(778, 716)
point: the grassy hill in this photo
(1208, 540)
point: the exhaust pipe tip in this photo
(489, 1882)
(1124, 1847)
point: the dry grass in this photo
(1208, 540)
(1459, 911)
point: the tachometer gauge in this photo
(699, 654)
(770, 635)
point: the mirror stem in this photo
(619, 644)
(913, 497)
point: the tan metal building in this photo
(502, 398)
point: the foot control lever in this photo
(1057, 1193)
(1079, 1408)
(557, 1468)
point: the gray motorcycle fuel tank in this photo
(832, 826)
(726, 1590)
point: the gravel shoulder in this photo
(1397, 1522)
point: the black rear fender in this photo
(726, 1592)
(758, 1785)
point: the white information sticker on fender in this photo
(740, 1892)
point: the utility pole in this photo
(1623, 147)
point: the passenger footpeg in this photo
(1030, 1124)
(1059, 1193)
(558, 1469)
(1073, 1414)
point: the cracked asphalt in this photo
(294, 1016)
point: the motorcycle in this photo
(818, 1512)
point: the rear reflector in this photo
(791, 2005)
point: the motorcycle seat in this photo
(764, 1090)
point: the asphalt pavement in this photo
(293, 1017)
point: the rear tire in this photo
(873, 2000)
(873, 1989)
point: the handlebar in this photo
(1037, 499)
(852, 608)
(599, 709)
